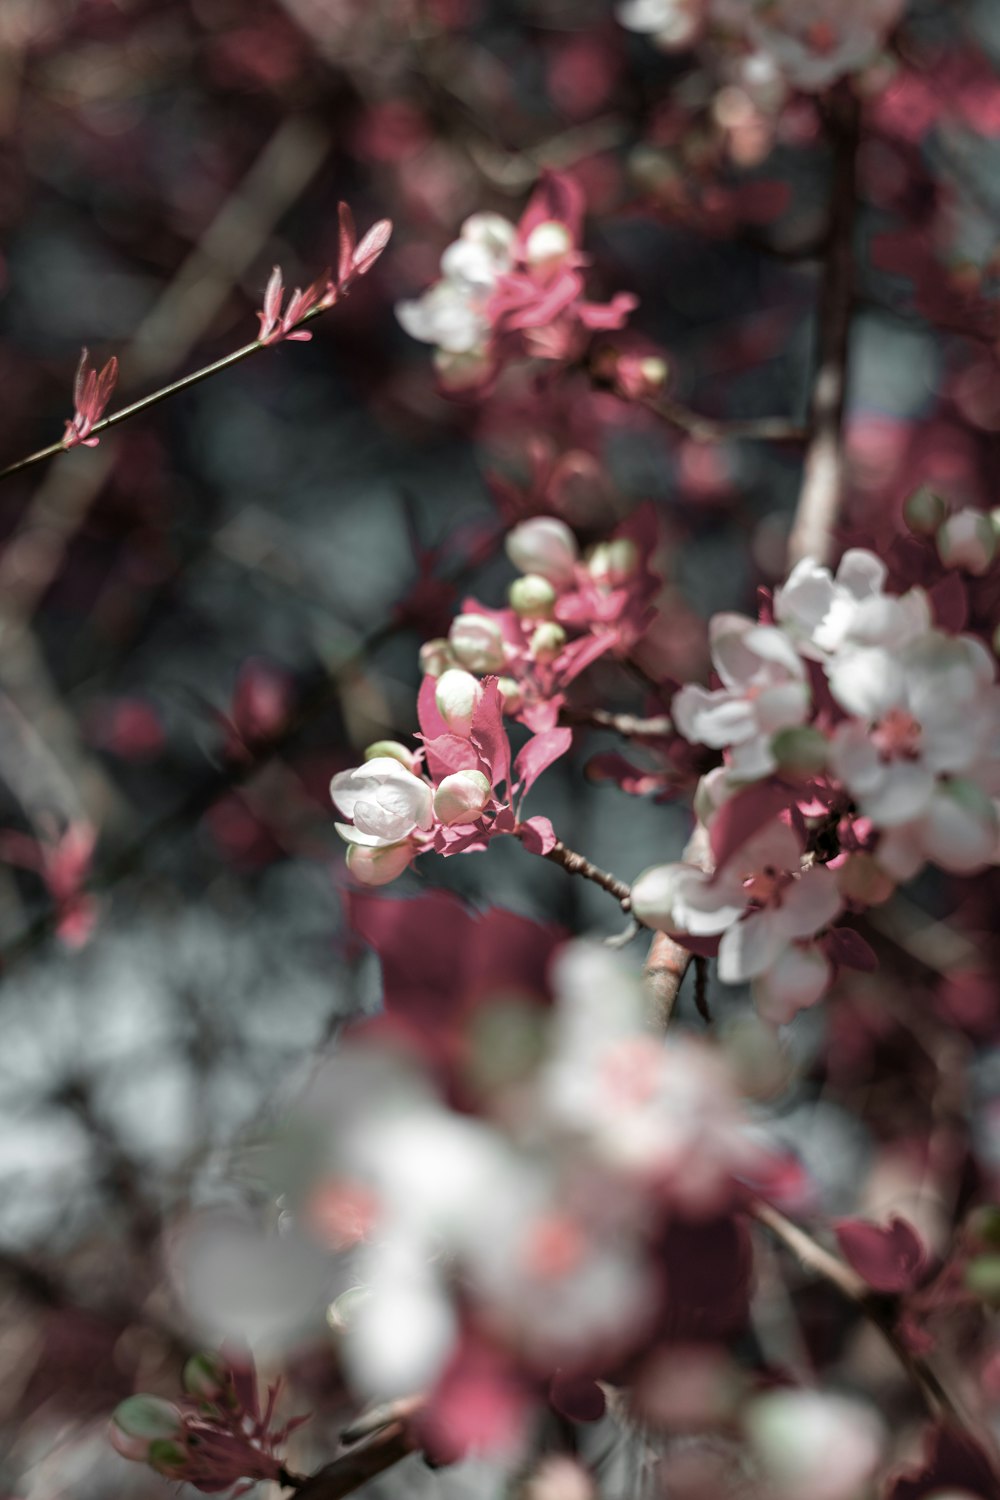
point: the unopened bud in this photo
(982, 1278)
(167, 1458)
(654, 895)
(139, 1421)
(395, 751)
(532, 597)
(801, 751)
(544, 545)
(611, 563)
(924, 511)
(436, 657)
(547, 242)
(860, 879)
(547, 641)
(461, 797)
(457, 697)
(476, 642)
(205, 1376)
(379, 865)
(967, 540)
(510, 691)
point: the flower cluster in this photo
(860, 742)
(564, 612)
(453, 794)
(216, 1436)
(771, 46)
(511, 290)
(518, 1245)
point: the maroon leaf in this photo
(450, 752)
(952, 1462)
(848, 950)
(949, 603)
(541, 752)
(489, 733)
(577, 1397)
(891, 1258)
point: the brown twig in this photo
(629, 726)
(820, 497)
(724, 430)
(667, 961)
(350, 1470)
(576, 864)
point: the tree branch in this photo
(823, 476)
(576, 864)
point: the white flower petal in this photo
(748, 948)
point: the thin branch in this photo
(576, 864)
(350, 1470)
(153, 399)
(881, 1311)
(822, 489)
(667, 961)
(629, 726)
(725, 430)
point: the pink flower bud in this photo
(457, 696)
(532, 597)
(544, 545)
(547, 641)
(461, 797)
(967, 540)
(379, 866)
(477, 643)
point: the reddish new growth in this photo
(91, 394)
(217, 1434)
(354, 260)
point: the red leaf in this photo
(542, 751)
(848, 950)
(371, 247)
(952, 1462)
(537, 835)
(348, 240)
(428, 717)
(891, 1258)
(577, 1397)
(489, 733)
(739, 819)
(448, 753)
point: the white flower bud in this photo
(395, 751)
(532, 597)
(544, 545)
(457, 697)
(655, 893)
(495, 233)
(461, 797)
(477, 643)
(611, 563)
(547, 641)
(377, 866)
(816, 1444)
(967, 540)
(924, 511)
(510, 691)
(206, 1376)
(436, 657)
(547, 242)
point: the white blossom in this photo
(386, 802)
